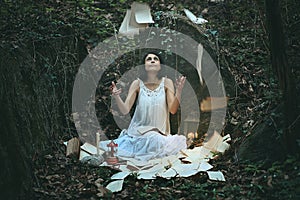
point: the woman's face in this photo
(152, 63)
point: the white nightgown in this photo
(151, 112)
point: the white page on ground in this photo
(196, 154)
(214, 141)
(120, 175)
(138, 163)
(165, 161)
(115, 186)
(223, 147)
(155, 168)
(188, 159)
(83, 154)
(216, 175)
(187, 173)
(148, 175)
(186, 167)
(204, 166)
(206, 152)
(168, 174)
(186, 170)
(124, 168)
(104, 164)
(227, 138)
(151, 173)
(170, 160)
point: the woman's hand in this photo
(125, 107)
(174, 96)
(114, 90)
(180, 84)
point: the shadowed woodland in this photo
(255, 44)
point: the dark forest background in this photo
(42, 44)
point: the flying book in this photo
(213, 103)
(136, 18)
(193, 18)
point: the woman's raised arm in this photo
(125, 107)
(173, 97)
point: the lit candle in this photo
(191, 135)
(97, 142)
(196, 135)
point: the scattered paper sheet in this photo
(186, 170)
(151, 173)
(217, 143)
(91, 149)
(199, 63)
(187, 173)
(142, 13)
(115, 186)
(216, 175)
(193, 18)
(223, 147)
(204, 166)
(167, 161)
(168, 174)
(124, 168)
(87, 149)
(198, 154)
(206, 152)
(125, 29)
(83, 154)
(169, 166)
(137, 163)
(120, 175)
(227, 138)
(147, 175)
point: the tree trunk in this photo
(265, 143)
(283, 72)
(32, 113)
(15, 172)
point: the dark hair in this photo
(157, 54)
(142, 71)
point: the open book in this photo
(136, 18)
(144, 129)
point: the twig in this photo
(294, 122)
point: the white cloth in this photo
(151, 111)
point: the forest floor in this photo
(58, 177)
(244, 53)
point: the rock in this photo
(93, 160)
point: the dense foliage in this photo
(42, 46)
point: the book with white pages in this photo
(145, 129)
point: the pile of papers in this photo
(186, 163)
